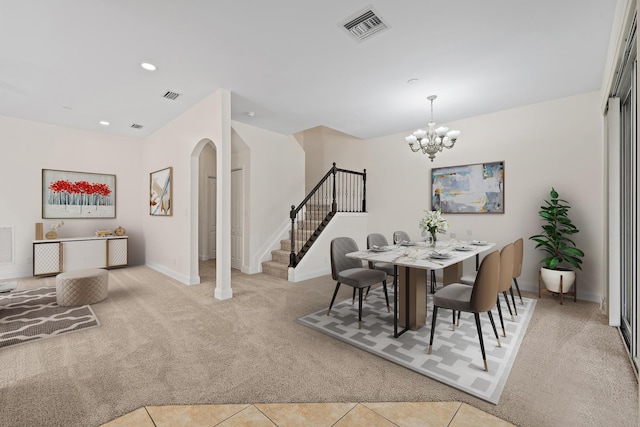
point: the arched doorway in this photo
(207, 160)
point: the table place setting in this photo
(464, 247)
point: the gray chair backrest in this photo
(376, 239)
(403, 236)
(507, 255)
(485, 288)
(340, 246)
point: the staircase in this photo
(280, 258)
(340, 190)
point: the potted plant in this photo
(555, 240)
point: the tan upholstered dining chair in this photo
(472, 299)
(517, 268)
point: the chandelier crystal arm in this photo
(432, 140)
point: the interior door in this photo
(237, 211)
(211, 216)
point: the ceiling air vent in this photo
(364, 24)
(171, 95)
(136, 126)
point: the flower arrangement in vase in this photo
(53, 234)
(434, 222)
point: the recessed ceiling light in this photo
(148, 66)
(104, 123)
(412, 81)
(251, 113)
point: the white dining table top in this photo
(419, 254)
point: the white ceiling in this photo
(76, 62)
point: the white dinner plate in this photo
(479, 242)
(379, 249)
(464, 248)
(439, 255)
(408, 243)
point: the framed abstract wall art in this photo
(67, 194)
(161, 192)
(476, 188)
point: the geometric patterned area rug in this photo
(34, 314)
(456, 359)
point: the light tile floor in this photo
(403, 414)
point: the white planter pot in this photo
(551, 279)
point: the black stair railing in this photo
(340, 190)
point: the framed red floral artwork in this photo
(67, 194)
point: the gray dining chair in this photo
(377, 239)
(349, 271)
(472, 299)
(403, 236)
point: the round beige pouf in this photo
(82, 287)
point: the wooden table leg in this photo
(417, 298)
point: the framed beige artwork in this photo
(161, 192)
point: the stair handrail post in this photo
(364, 191)
(334, 204)
(292, 255)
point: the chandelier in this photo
(434, 139)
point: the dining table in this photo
(412, 262)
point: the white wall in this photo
(276, 181)
(323, 146)
(557, 143)
(171, 242)
(28, 147)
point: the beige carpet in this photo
(162, 342)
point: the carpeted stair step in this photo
(277, 269)
(285, 245)
(281, 256)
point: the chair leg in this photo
(515, 308)
(504, 332)
(433, 281)
(386, 295)
(359, 307)
(367, 294)
(353, 300)
(334, 297)
(453, 325)
(518, 289)
(433, 326)
(458, 321)
(504, 293)
(493, 325)
(479, 328)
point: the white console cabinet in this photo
(55, 256)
